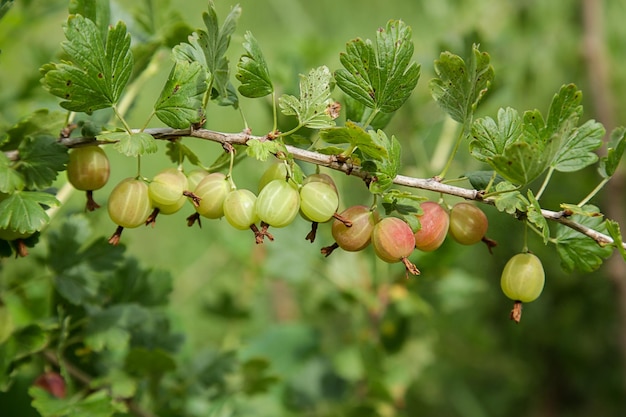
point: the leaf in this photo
(491, 138)
(383, 79)
(369, 144)
(209, 48)
(614, 231)
(402, 202)
(252, 70)
(178, 152)
(180, 103)
(536, 218)
(578, 251)
(41, 158)
(311, 107)
(98, 11)
(519, 149)
(97, 72)
(141, 361)
(615, 150)
(131, 144)
(262, 150)
(480, 180)
(10, 179)
(509, 199)
(22, 211)
(255, 378)
(385, 170)
(97, 404)
(40, 122)
(77, 263)
(576, 152)
(459, 86)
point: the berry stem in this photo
(516, 312)
(311, 235)
(260, 235)
(342, 219)
(91, 204)
(115, 238)
(410, 267)
(327, 250)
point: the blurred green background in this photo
(349, 335)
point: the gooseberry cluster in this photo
(138, 201)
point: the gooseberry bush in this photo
(338, 122)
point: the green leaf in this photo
(255, 378)
(578, 251)
(21, 344)
(97, 404)
(614, 231)
(481, 179)
(576, 152)
(41, 158)
(252, 70)
(402, 202)
(97, 72)
(367, 142)
(180, 103)
(141, 361)
(311, 107)
(98, 11)
(209, 48)
(10, 179)
(77, 263)
(361, 114)
(133, 284)
(536, 218)
(262, 150)
(22, 211)
(526, 157)
(383, 79)
(491, 138)
(459, 86)
(131, 144)
(40, 122)
(615, 150)
(5, 7)
(223, 160)
(384, 170)
(178, 152)
(509, 199)
(583, 211)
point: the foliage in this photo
(90, 311)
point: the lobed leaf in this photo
(252, 70)
(576, 152)
(131, 144)
(10, 179)
(97, 72)
(383, 79)
(460, 86)
(491, 138)
(41, 159)
(535, 217)
(578, 251)
(262, 150)
(368, 142)
(615, 150)
(180, 103)
(23, 211)
(311, 107)
(208, 48)
(509, 199)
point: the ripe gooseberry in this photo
(393, 241)
(240, 210)
(434, 223)
(166, 188)
(468, 223)
(278, 203)
(212, 191)
(358, 236)
(129, 203)
(88, 169)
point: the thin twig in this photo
(332, 162)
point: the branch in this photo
(332, 162)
